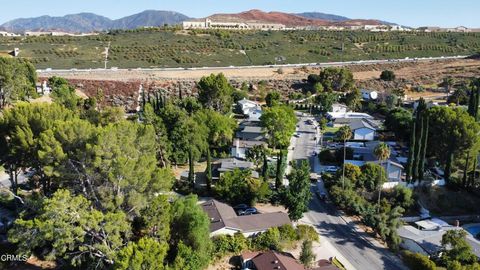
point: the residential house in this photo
(240, 148)
(363, 154)
(362, 130)
(224, 220)
(228, 165)
(250, 109)
(368, 94)
(425, 237)
(340, 108)
(250, 131)
(270, 260)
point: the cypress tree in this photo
(209, 170)
(418, 148)
(423, 150)
(278, 175)
(265, 166)
(474, 173)
(472, 102)
(465, 170)
(191, 170)
(411, 156)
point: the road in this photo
(50, 71)
(361, 250)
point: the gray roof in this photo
(232, 164)
(247, 144)
(360, 123)
(223, 216)
(252, 129)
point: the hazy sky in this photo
(405, 12)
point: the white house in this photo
(250, 108)
(339, 108)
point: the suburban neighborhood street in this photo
(362, 251)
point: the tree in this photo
(417, 261)
(459, 97)
(215, 92)
(452, 132)
(273, 98)
(325, 101)
(474, 99)
(68, 228)
(18, 78)
(146, 254)
(399, 121)
(448, 83)
(238, 186)
(298, 193)
(353, 99)
(344, 134)
(352, 173)
(373, 176)
(382, 153)
(190, 233)
(402, 196)
(307, 256)
(387, 75)
(456, 247)
(156, 218)
(336, 79)
(63, 93)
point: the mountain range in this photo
(89, 22)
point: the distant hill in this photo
(323, 16)
(89, 22)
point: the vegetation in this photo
(298, 194)
(198, 48)
(18, 80)
(307, 256)
(387, 75)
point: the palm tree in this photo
(344, 133)
(382, 152)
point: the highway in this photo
(47, 71)
(361, 250)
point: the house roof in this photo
(258, 222)
(360, 123)
(247, 144)
(246, 101)
(223, 216)
(271, 260)
(232, 164)
(429, 240)
(252, 129)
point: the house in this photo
(228, 165)
(340, 108)
(344, 118)
(425, 237)
(363, 154)
(250, 109)
(211, 23)
(250, 131)
(270, 260)
(362, 130)
(240, 148)
(224, 220)
(369, 94)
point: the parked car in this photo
(249, 211)
(241, 207)
(330, 169)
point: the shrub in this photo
(306, 232)
(267, 240)
(287, 233)
(225, 244)
(416, 261)
(387, 75)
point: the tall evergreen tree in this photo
(423, 150)
(411, 155)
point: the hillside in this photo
(211, 48)
(323, 16)
(89, 22)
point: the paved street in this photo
(361, 251)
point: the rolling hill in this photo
(89, 22)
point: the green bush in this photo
(225, 244)
(269, 240)
(416, 261)
(287, 233)
(306, 232)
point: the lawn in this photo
(169, 48)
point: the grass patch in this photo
(331, 130)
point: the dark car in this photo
(249, 211)
(241, 207)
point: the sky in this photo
(415, 13)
